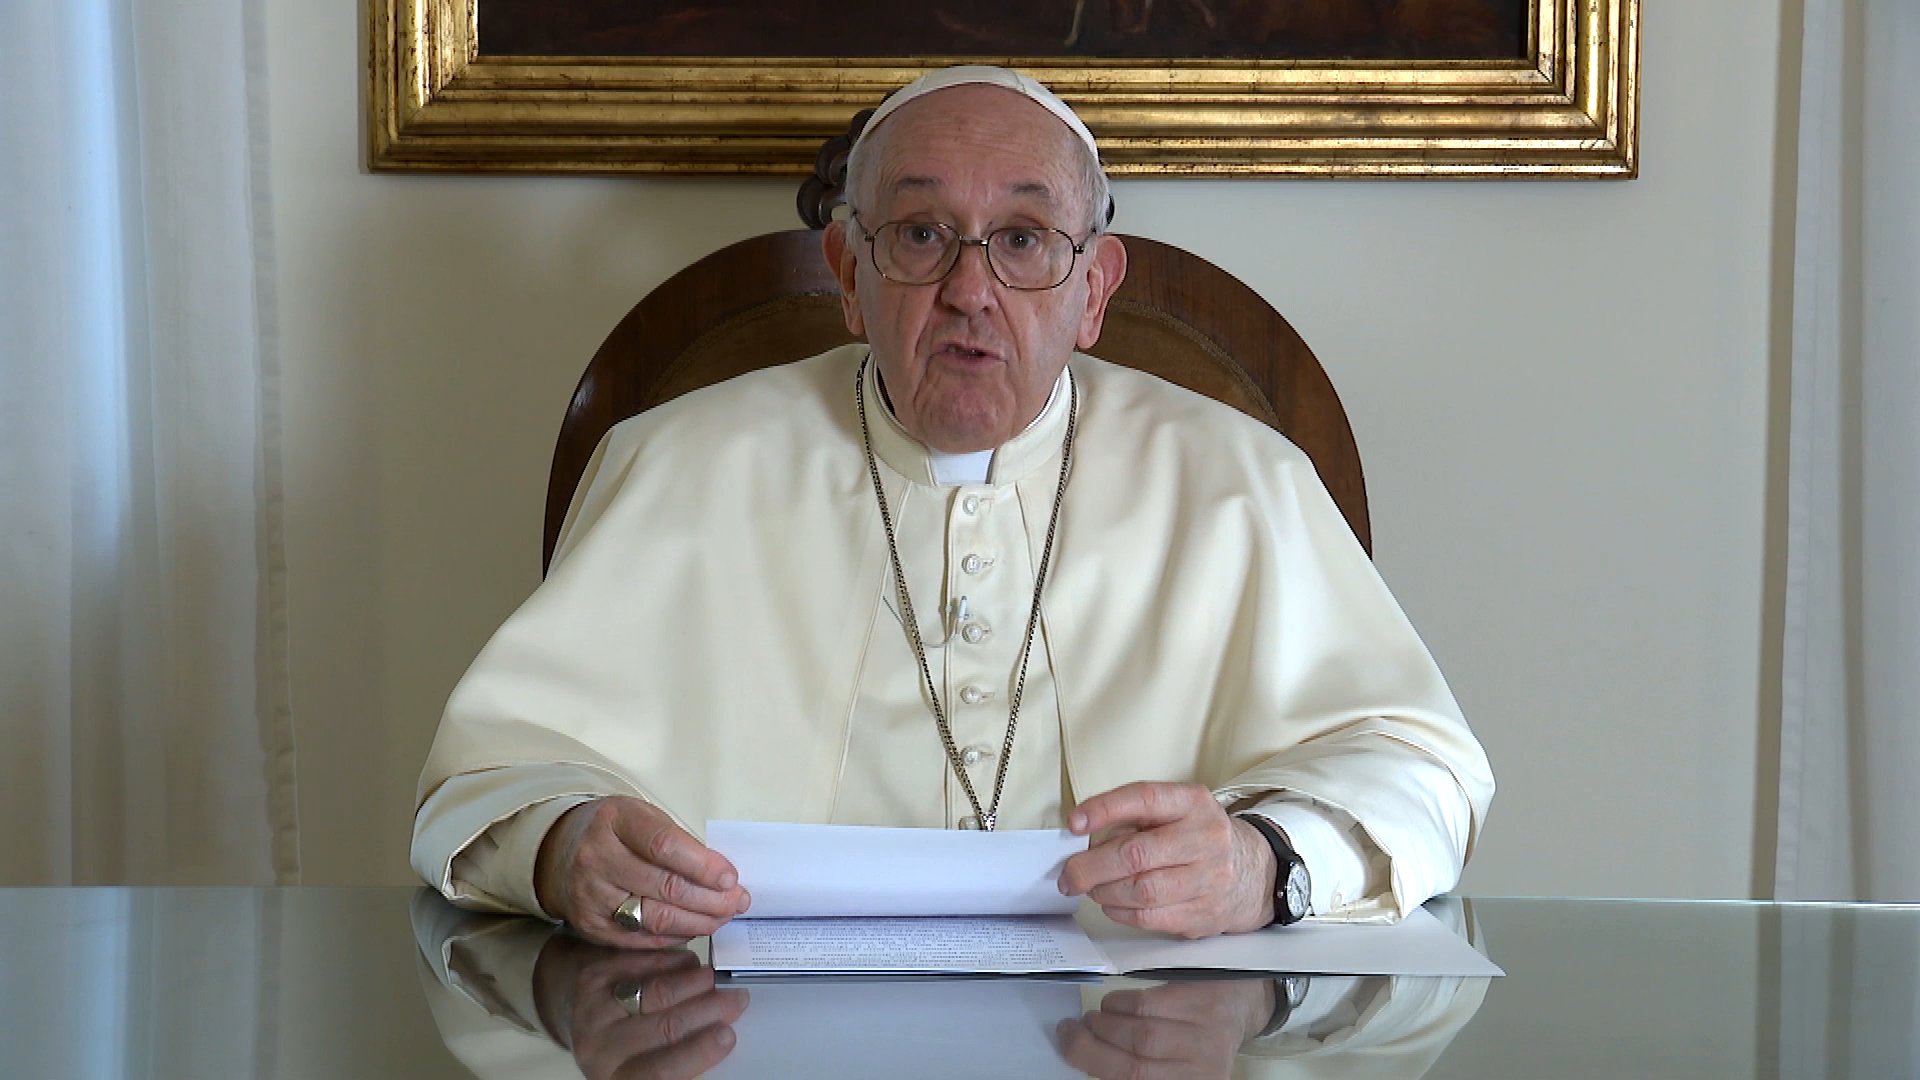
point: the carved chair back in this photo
(772, 299)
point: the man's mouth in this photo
(964, 353)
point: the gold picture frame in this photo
(436, 104)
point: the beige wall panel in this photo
(1559, 390)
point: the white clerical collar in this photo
(908, 456)
(953, 470)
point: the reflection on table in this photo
(319, 984)
(521, 998)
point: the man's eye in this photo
(920, 235)
(1019, 241)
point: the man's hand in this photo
(680, 1028)
(1182, 1029)
(601, 852)
(1170, 859)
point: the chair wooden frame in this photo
(778, 287)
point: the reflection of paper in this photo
(930, 1029)
(1004, 945)
(833, 870)
(1417, 945)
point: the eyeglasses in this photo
(1026, 257)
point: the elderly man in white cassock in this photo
(958, 576)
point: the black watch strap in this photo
(1284, 857)
(1288, 992)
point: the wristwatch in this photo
(1289, 993)
(1292, 887)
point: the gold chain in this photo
(989, 817)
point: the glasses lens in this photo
(1028, 257)
(1021, 256)
(914, 252)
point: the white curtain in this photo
(1849, 824)
(143, 698)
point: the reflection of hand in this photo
(601, 852)
(682, 1029)
(1182, 1029)
(1172, 861)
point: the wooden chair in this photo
(772, 299)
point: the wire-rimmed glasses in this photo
(1026, 257)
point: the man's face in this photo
(968, 362)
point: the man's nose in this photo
(969, 285)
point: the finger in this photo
(648, 1033)
(1150, 1037)
(608, 875)
(1193, 919)
(666, 991)
(602, 996)
(1195, 1002)
(694, 1057)
(1155, 888)
(643, 879)
(1130, 856)
(608, 968)
(660, 917)
(595, 922)
(604, 987)
(652, 835)
(1140, 803)
(1092, 1055)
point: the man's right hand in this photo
(601, 852)
(628, 1014)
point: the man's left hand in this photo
(1169, 859)
(1179, 1029)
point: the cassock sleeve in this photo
(1348, 873)
(496, 870)
(480, 820)
(1378, 739)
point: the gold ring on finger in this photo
(629, 916)
(627, 992)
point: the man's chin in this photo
(966, 444)
(965, 427)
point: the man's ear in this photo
(1106, 268)
(844, 258)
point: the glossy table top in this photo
(295, 983)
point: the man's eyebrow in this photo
(1037, 189)
(1033, 188)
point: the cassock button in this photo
(972, 755)
(969, 822)
(971, 504)
(972, 564)
(975, 632)
(973, 695)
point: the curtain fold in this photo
(142, 616)
(1849, 821)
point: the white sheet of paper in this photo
(928, 1029)
(800, 871)
(1417, 945)
(1000, 945)
(858, 899)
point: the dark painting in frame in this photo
(1171, 87)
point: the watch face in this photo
(1295, 989)
(1298, 892)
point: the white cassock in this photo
(719, 635)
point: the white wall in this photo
(1560, 390)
